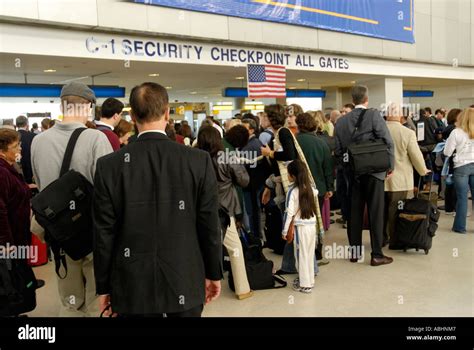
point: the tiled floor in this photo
(438, 284)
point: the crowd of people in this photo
(170, 205)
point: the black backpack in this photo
(64, 210)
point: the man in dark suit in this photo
(157, 244)
(369, 188)
(26, 140)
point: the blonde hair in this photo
(319, 118)
(466, 122)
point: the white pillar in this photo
(384, 91)
(333, 99)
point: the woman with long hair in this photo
(229, 176)
(461, 140)
(301, 210)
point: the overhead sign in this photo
(386, 19)
(173, 51)
(51, 42)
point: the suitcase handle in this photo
(431, 184)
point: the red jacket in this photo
(14, 207)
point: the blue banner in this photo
(385, 19)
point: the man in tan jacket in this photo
(407, 156)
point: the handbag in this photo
(369, 156)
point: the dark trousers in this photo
(194, 312)
(366, 190)
(392, 204)
(342, 193)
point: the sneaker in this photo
(296, 282)
(339, 212)
(340, 221)
(305, 290)
(323, 262)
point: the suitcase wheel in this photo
(417, 249)
(427, 251)
(404, 250)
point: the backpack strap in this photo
(70, 150)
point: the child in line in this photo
(300, 204)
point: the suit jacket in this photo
(26, 140)
(156, 230)
(373, 126)
(407, 156)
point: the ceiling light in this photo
(49, 70)
(240, 78)
(301, 80)
(154, 75)
(292, 88)
(168, 87)
(193, 92)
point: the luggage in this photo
(259, 269)
(17, 287)
(416, 225)
(368, 156)
(273, 228)
(42, 252)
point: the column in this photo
(384, 91)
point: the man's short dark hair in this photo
(360, 94)
(149, 102)
(110, 107)
(21, 121)
(237, 136)
(349, 105)
(428, 109)
(251, 123)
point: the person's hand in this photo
(328, 195)
(266, 151)
(213, 290)
(389, 174)
(283, 237)
(32, 186)
(104, 302)
(266, 196)
(427, 172)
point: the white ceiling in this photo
(207, 81)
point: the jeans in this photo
(463, 180)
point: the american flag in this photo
(266, 81)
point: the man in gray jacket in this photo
(366, 189)
(77, 289)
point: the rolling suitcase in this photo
(416, 225)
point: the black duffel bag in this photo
(64, 209)
(369, 156)
(17, 287)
